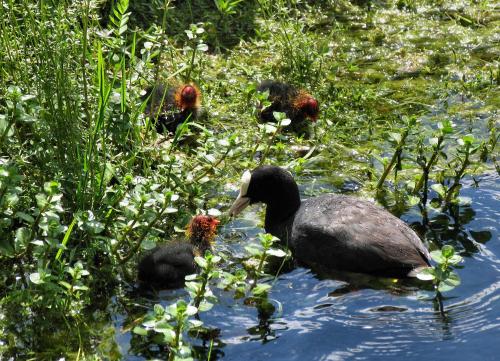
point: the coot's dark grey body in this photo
(333, 231)
(351, 234)
(166, 266)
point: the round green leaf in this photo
(427, 274)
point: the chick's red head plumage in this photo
(307, 105)
(202, 229)
(187, 97)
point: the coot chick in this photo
(173, 106)
(333, 231)
(299, 106)
(166, 266)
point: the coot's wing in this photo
(352, 234)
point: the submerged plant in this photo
(256, 264)
(169, 324)
(458, 165)
(398, 139)
(429, 155)
(442, 275)
(197, 285)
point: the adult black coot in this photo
(333, 231)
(166, 266)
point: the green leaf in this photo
(468, 139)
(36, 278)
(253, 250)
(427, 274)
(202, 262)
(446, 126)
(191, 277)
(285, 122)
(191, 310)
(80, 288)
(437, 256)
(439, 189)
(51, 187)
(25, 217)
(260, 289)
(276, 252)
(64, 284)
(168, 336)
(447, 251)
(140, 331)
(4, 124)
(433, 141)
(269, 128)
(205, 306)
(396, 137)
(195, 323)
(23, 236)
(41, 200)
(162, 327)
(455, 259)
(452, 281)
(202, 47)
(148, 244)
(181, 306)
(413, 201)
(158, 310)
(6, 248)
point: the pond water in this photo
(363, 318)
(413, 57)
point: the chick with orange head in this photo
(166, 266)
(170, 107)
(298, 105)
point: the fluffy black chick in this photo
(170, 107)
(298, 105)
(166, 266)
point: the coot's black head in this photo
(271, 185)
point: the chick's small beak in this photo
(239, 205)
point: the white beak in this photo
(239, 205)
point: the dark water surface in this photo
(328, 319)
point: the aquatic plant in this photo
(442, 275)
(182, 317)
